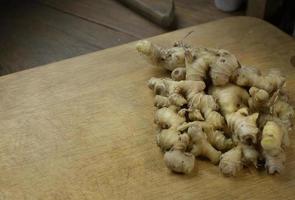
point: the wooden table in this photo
(83, 128)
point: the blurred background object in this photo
(228, 5)
(159, 12)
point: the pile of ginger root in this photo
(214, 108)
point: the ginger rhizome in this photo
(178, 92)
(251, 77)
(167, 58)
(177, 159)
(201, 146)
(212, 107)
(219, 64)
(272, 145)
(215, 137)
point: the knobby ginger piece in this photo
(230, 98)
(178, 74)
(259, 100)
(285, 112)
(167, 58)
(215, 137)
(201, 146)
(168, 118)
(243, 126)
(275, 164)
(218, 63)
(272, 137)
(218, 140)
(177, 159)
(233, 102)
(251, 77)
(249, 155)
(177, 92)
(161, 101)
(166, 138)
(208, 107)
(231, 161)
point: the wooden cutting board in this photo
(83, 128)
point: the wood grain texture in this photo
(37, 32)
(32, 34)
(83, 128)
(188, 13)
(109, 13)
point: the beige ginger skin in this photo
(201, 146)
(272, 137)
(167, 58)
(272, 145)
(177, 159)
(230, 98)
(177, 92)
(178, 74)
(215, 137)
(231, 161)
(243, 126)
(233, 105)
(259, 99)
(220, 64)
(215, 108)
(173, 142)
(167, 120)
(249, 76)
(208, 108)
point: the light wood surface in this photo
(83, 128)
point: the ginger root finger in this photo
(158, 86)
(220, 64)
(249, 76)
(168, 118)
(275, 164)
(285, 112)
(218, 140)
(250, 155)
(230, 98)
(161, 101)
(208, 107)
(215, 137)
(243, 126)
(272, 137)
(178, 74)
(177, 91)
(177, 159)
(167, 58)
(196, 69)
(169, 137)
(201, 146)
(224, 67)
(215, 119)
(231, 161)
(195, 114)
(259, 100)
